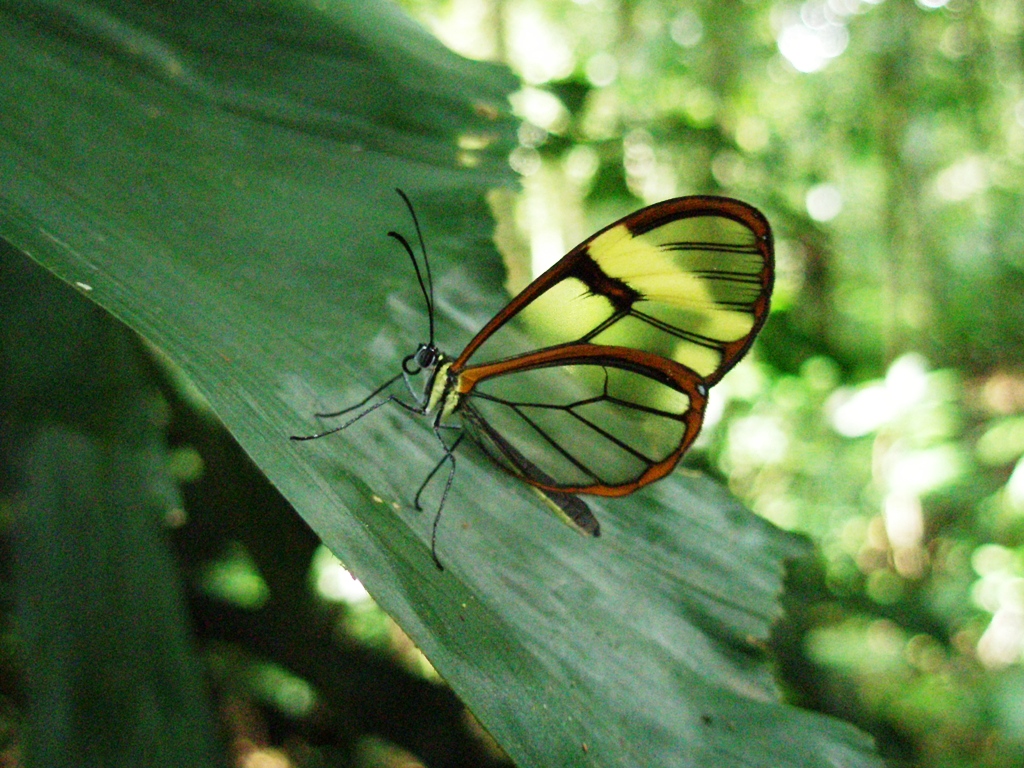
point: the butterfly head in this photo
(425, 358)
(434, 364)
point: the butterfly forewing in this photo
(688, 280)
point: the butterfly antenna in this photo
(428, 286)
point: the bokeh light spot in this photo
(824, 202)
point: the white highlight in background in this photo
(824, 202)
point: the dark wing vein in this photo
(697, 338)
(710, 246)
(604, 325)
(751, 278)
(558, 447)
(509, 451)
(644, 408)
(612, 438)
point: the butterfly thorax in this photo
(441, 391)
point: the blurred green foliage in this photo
(882, 414)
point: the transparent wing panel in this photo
(580, 425)
(564, 313)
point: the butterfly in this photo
(595, 378)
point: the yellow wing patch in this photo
(641, 264)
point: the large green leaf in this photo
(220, 178)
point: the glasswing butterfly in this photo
(594, 379)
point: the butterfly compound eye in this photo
(426, 356)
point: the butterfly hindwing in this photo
(590, 419)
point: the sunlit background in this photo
(882, 412)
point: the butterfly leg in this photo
(417, 396)
(362, 402)
(449, 456)
(417, 409)
(437, 467)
